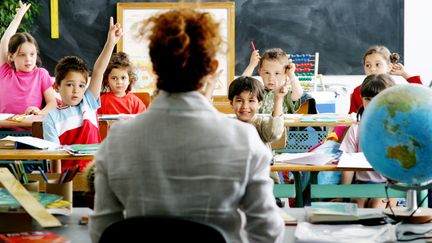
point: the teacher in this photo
(182, 157)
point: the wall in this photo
(418, 50)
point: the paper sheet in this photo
(353, 160)
(305, 158)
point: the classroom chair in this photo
(145, 97)
(148, 228)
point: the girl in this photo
(377, 60)
(117, 85)
(371, 86)
(23, 84)
(275, 68)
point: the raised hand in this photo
(290, 68)
(23, 7)
(115, 32)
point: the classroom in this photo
(69, 152)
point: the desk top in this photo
(28, 122)
(317, 120)
(299, 214)
(71, 230)
(328, 167)
(39, 154)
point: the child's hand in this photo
(23, 7)
(254, 59)
(32, 110)
(115, 32)
(282, 90)
(398, 69)
(290, 68)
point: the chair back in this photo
(149, 228)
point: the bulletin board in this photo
(131, 15)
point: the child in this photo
(246, 97)
(119, 78)
(377, 60)
(275, 68)
(23, 84)
(371, 86)
(75, 121)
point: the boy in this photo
(246, 97)
(275, 68)
(75, 120)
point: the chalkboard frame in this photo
(127, 14)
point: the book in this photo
(44, 236)
(340, 213)
(9, 203)
(353, 160)
(287, 218)
(28, 142)
(116, 117)
(82, 149)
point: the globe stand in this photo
(421, 215)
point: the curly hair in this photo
(119, 60)
(17, 40)
(183, 44)
(70, 64)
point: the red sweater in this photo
(356, 101)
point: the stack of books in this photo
(81, 149)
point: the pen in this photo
(43, 174)
(72, 175)
(253, 46)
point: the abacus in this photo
(307, 70)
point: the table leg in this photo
(56, 166)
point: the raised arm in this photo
(253, 63)
(297, 90)
(114, 34)
(11, 30)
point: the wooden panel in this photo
(79, 182)
(354, 191)
(284, 190)
(145, 97)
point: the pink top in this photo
(19, 90)
(351, 144)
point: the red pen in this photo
(253, 46)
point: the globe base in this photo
(421, 215)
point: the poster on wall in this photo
(131, 15)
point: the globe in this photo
(396, 133)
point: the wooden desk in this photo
(24, 123)
(312, 168)
(299, 213)
(298, 185)
(39, 154)
(79, 181)
(296, 121)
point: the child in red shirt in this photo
(119, 78)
